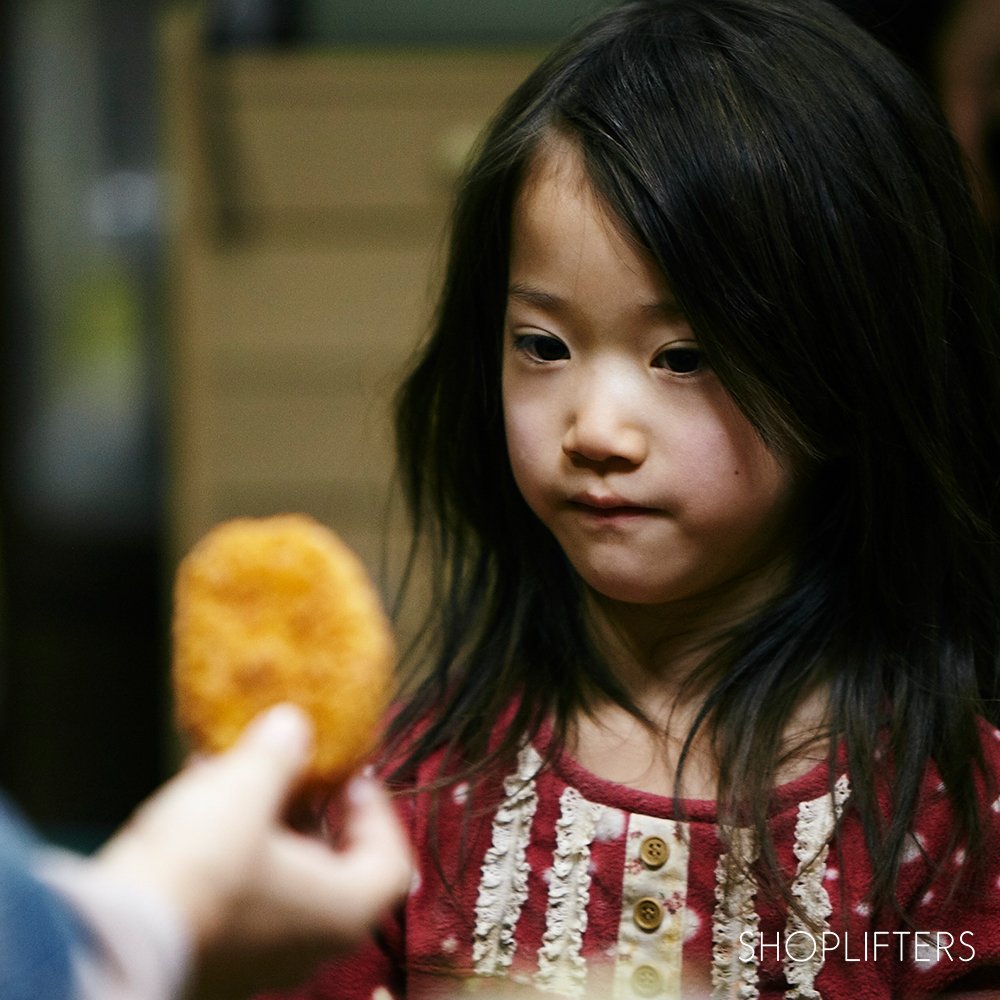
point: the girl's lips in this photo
(608, 508)
(605, 502)
(610, 512)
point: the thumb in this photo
(273, 751)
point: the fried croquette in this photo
(279, 609)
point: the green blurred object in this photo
(441, 22)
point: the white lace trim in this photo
(735, 922)
(503, 884)
(561, 965)
(813, 829)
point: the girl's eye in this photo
(541, 347)
(681, 359)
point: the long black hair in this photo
(807, 206)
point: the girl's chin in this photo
(620, 591)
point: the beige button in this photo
(653, 852)
(648, 914)
(647, 981)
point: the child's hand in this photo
(213, 843)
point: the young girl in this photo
(706, 447)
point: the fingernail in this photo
(362, 790)
(285, 726)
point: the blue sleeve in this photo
(38, 931)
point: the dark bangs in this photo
(803, 199)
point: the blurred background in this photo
(221, 224)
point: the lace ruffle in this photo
(735, 923)
(813, 830)
(503, 884)
(561, 965)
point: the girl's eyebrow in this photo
(668, 309)
(533, 296)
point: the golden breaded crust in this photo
(279, 609)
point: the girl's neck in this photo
(657, 653)
(616, 746)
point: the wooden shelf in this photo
(310, 195)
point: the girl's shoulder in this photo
(421, 750)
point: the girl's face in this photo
(622, 441)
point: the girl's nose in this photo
(603, 430)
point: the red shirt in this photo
(564, 883)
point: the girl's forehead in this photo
(557, 173)
(557, 188)
(557, 160)
(568, 249)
